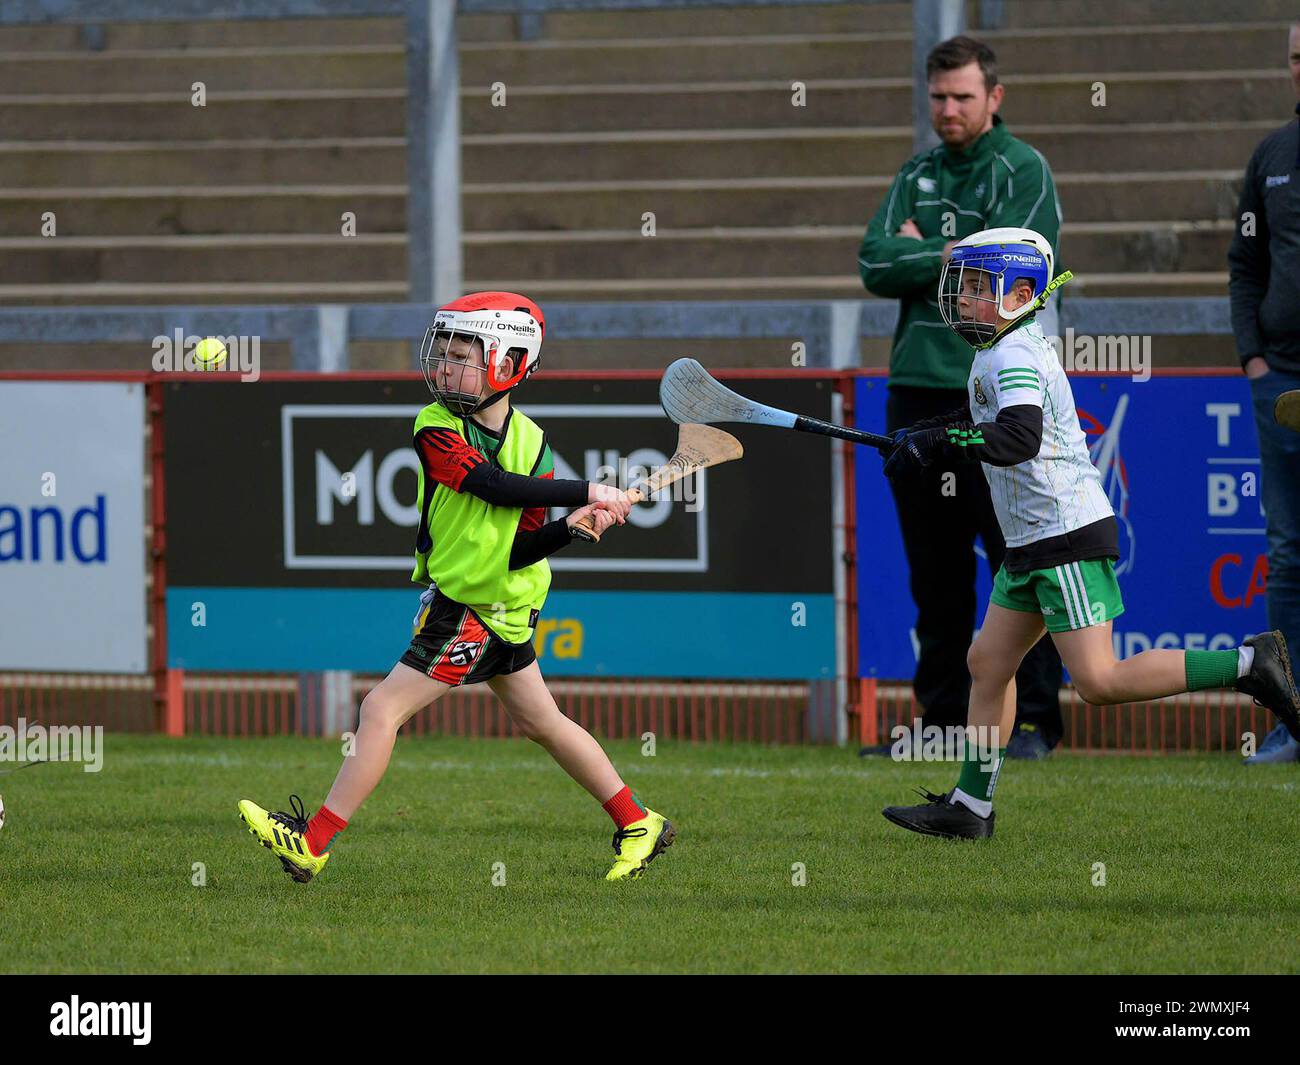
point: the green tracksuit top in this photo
(997, 181)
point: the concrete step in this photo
(167, 116)
(234, 33)
(714, 58)
(657, 155)
(679, 23)
(1190, 283)
(172, 293)
(356, 66)
(254, 259)
(1162, 196)
(814, 251)
(1135, 12)
(856, 151)
(571, 206)
(1102, 49)
(254, 161)
(213, 209)
(730, 21)
(866, 17)
(265, 67)
(737, 253)
(1223, 96)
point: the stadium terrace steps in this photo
(113, 293)
(657, 155)
(855, 55)
(251, 161)
(835, 200)
(1220, 96)
(712, 59)
(751, 252)
(175, 210)
(607, 117)
(1169, 196)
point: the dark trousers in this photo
(939, 531)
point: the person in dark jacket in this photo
(979, 178)
(1264, 290)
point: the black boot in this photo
(1270, 680)
(939, 817)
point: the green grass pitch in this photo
(96, 869)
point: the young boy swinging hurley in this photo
(1061, 533)
(485, 484)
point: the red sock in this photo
(322, 829)
(624, 808)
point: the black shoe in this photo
(1270, 680)
(1028, 743)
(939, 817)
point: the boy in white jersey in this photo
(1061, 534)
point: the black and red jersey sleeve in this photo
(534, 518)
(446, 457)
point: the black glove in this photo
(914, 451)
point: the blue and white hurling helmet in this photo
(983, 268)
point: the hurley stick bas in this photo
(698, 447)
(689, 394)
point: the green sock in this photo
(976, 778)
(1210, 669)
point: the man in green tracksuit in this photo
(979, 177)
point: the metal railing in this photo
(320, 335)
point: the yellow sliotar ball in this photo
(210, 353)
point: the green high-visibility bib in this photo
(463, 544)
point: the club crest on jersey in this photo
(980, 397)
(463, 652)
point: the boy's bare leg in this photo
(1103, 680)
(532, 708)
(386, 709)
(1004, 639)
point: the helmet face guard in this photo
(469, 342)
(976, 280)
(454, 364)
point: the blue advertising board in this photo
(1179, 459)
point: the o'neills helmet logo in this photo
(484, 325)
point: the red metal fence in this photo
(248, 705)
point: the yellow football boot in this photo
(639, 844)
(285, 836)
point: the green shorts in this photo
(1073, 595)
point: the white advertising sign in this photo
(72, 526)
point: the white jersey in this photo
(1059, 490)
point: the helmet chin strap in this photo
(484, 404)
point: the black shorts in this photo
(455, 647)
